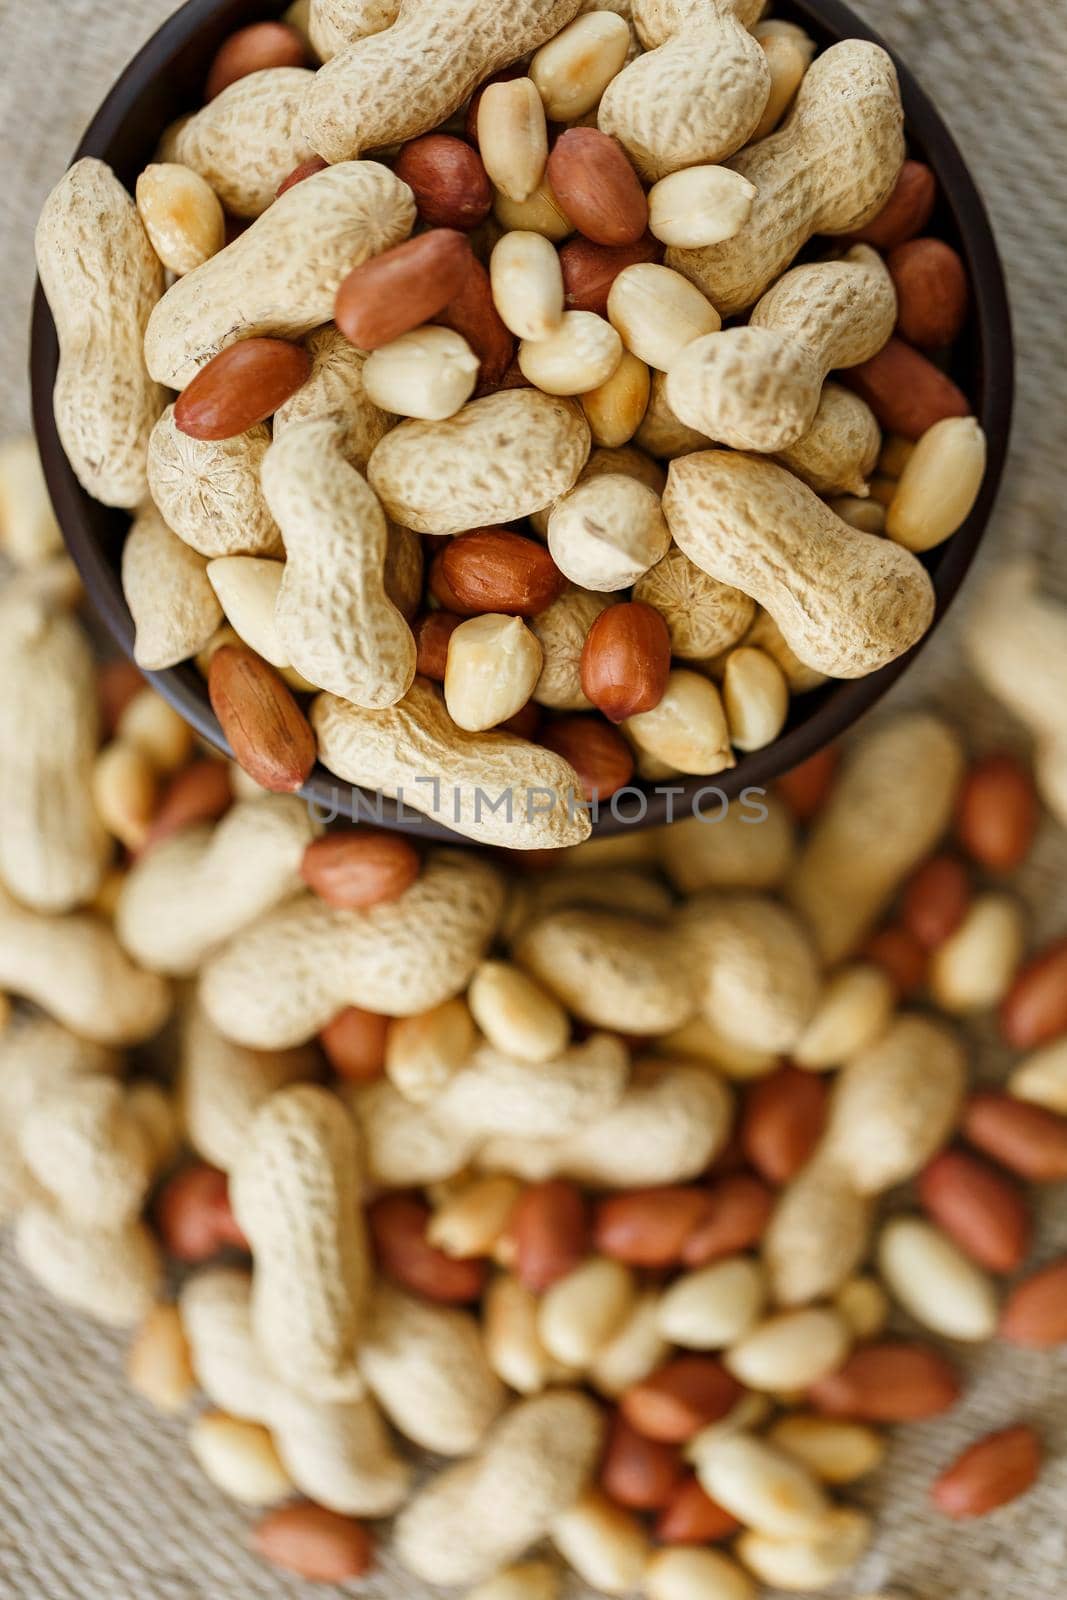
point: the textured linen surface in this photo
(100, 1500)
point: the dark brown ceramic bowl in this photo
(167, 78)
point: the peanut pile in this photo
(573, 1175)
(443, 463)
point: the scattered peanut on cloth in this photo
(572, 1176)
(441, 375)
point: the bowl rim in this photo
(646, 805)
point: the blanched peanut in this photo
(247, 588)
(471, 1222)
(935, 1282)
(513, 138)
(527, 282)
(605, 1545)
(756, 698)
(29, 532)
(837, 1452)
(1042, 1078)
(424, 1052)
(516, 1014)
(156, 729)
(679, 1574)
(868, 516)
(572, 71)
(939, 485)
(182, 214)
(700, 206)
(807, 1565)
(493, 666)
(788, 59)
(853, 1013)
(715, 1307)
(761, 1485)
(125, 793)
(529, 1580)
(513, 1344)
(657, 312)
(580, 355)
(688, 729)
(608, 532)
(791, 1351)
(616, 409)
(240, 1459)
(158, 1363)
(584, 1310)
(864, 1305)
(635, 1351)
(429, 373)
(541, 213)
(973, 970)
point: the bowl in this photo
(166, 79)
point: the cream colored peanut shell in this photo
(280, 278)
(168, 591)
(341, 630)
(581, 354)
(939, 486)
(102, 280)
(210, 492)
(493, 666)
(335, 391)
(439, 56)
(695, 98)
(429, 373)
(830, 169)
(700, 206)
(759, 387)
(513, 138)
(704, 617)
(527, 284)
(607, 533)
(389, 750)
(247, 141)
(688, 729)
(561, 632)
(572, 71)
(658, 313)
(498, 460)
(846, 603)
(839, 452)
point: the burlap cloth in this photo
(101, 1501)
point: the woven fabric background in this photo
(101, 1501)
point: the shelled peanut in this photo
(508, 329)
(640, 1276)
